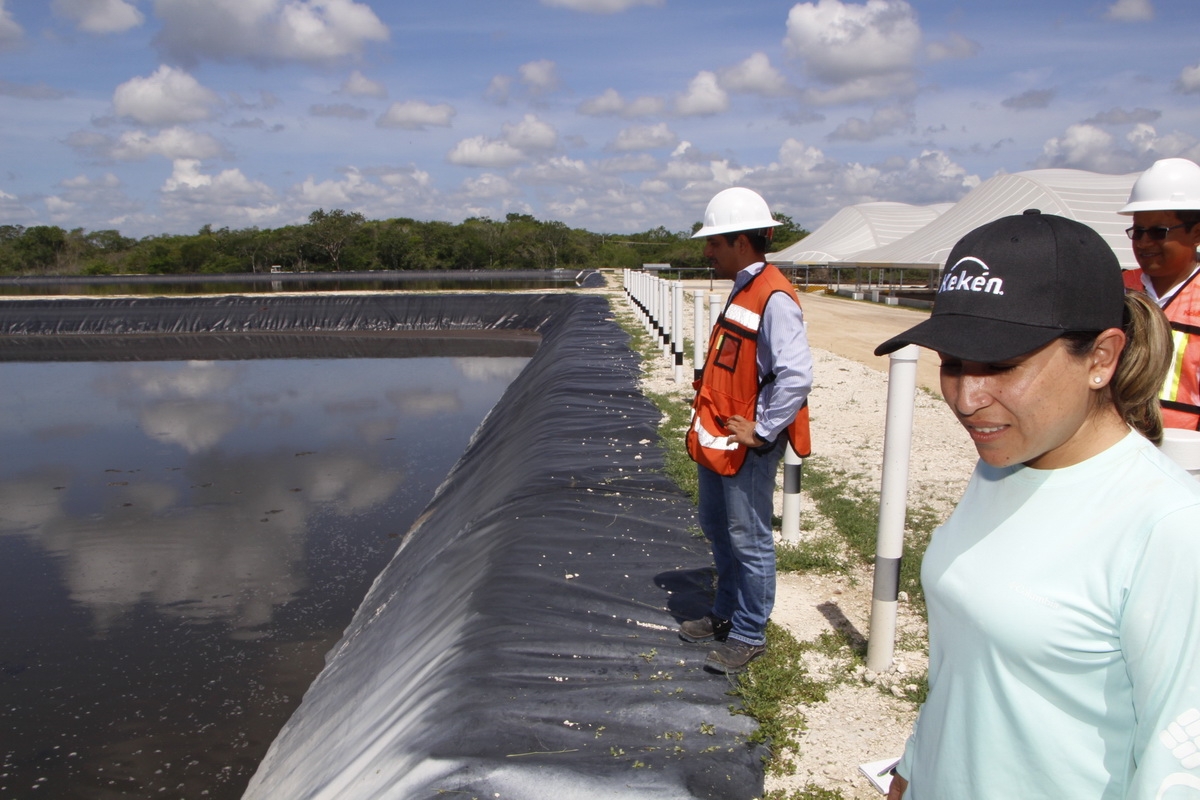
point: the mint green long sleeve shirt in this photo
(1064, 628)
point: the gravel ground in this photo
(866, 717)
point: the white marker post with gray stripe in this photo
(677, 328)
(893, 497)
(789, 528)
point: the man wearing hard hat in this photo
(1165, 206)
(751, 400)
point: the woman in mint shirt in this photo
(1064, 590)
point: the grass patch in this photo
(822, 555)
(810, 791)
(679, 466)
(855, 514)
(771, 690)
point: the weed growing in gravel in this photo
(771, 691)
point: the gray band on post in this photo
(887, 579)
(791, 478)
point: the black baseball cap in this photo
(1018, 283)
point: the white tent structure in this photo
(855, 229)
(1088, 197)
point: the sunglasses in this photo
(1156, 234)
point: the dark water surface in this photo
(182, 541)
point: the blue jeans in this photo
(735, 515)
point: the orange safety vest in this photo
(730, 383)
(1180, 397)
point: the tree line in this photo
(338, 240)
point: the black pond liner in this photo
(522, 641)
(300, 281)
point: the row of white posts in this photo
(659, 304)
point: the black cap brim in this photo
(973, 338)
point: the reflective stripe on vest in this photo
(1170, 389)
(744, 317)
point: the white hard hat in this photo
(733, 210)
(1171, 184)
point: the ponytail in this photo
(1142, 366)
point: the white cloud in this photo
(704, 96)
(416, 115)
(883, 121)
(1189, 80)
(607, 104)
(186, 175)
(1130, 11)
(611, 103)
(488, 186)
(540, 76)
(644, 137)
(1150, 145)
(479, 151)
(755, 75)
(81, 193)
(1086, 147)
(11, 33)
(600, 6)
(862, 51)
(100, 16)
(531, 135)
(173, 143)
(266, 30)
(359, 85)
(561, 170)
(499, 89)
(168, 96)
(226, 198)
(350, 190)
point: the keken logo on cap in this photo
(971, 275)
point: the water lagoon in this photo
(181, 542)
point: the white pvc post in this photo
(664, 318)
(893, 494)
(714, 309)
(677, 328)
(792, 466)
(700, 335)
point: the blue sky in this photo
(161, 116)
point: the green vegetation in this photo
(337, 240)
(855, 514)
(772, 690)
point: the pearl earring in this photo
(1097, 379)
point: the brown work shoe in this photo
(733, 656)
(705, 629)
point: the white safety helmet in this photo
(1171, 184)
(733, 210)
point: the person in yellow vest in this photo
(751, 399)
(1165, 206)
